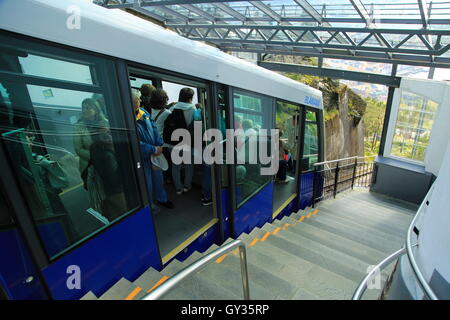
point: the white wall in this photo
(434, 239)
(438, 91)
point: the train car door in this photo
(311, 143)
(189, 187)
(251, 187)
(19, 277)
(287, 121)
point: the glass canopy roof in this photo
(409, 32)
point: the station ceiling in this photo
(406, 32)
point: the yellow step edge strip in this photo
(188, 241)
(265, 236)
(309, 215)
(235, 252)
(286, 226)
(220, 259)
(133, 293)
(301, 219)
(253, 242)
(276, 230)
(160, 282)
(277, 212)
(315, 211)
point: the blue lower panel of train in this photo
(255, 212)
(126, 250)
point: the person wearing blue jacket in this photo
(151, 144)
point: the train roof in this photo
(120, 34)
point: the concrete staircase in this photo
(320, 253)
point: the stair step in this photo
(335, 261)
(375, 199)
(372, 201)
(192, 258)
(371, 213)
(364, 237)
(198, 287)
(381, 224)
(119, 291)
(89, 296)
(305, 275)
(211, 249)
(334, 241)
(172, 268)
(262, 284)
(146, 281)
(361, 226)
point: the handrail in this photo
(423, 283)
(363, 285)
(337, 160)
(412, 261)
(201, 263)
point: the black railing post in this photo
(354, 172)
(314, 187)
(336, 178)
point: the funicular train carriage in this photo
(47, 220)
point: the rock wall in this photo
(342, 137)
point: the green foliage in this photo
(373, 124)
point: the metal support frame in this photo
(277, 29)
(390, 81)
(200, 264)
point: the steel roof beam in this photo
(333, 73)
(359, 47)
(266, 10)
(231, 11)
(423, 15)
(326, 29)
(199, 12)
(396, 59)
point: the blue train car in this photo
(60, 213)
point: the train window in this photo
(311, 142)
(252, 112)
(67, 144)
(40, 66)
(137, 82)
(311, 116)
(173, 91)
(287, 121)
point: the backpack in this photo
(175, 121)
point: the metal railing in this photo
(200, 264)
(412, 260)
(335, 176)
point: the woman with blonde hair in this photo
(92, 120)
(90, 125)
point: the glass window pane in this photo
(173, 91)
(311, 146)
(287, 121)
(413, 126)
(55, 69)
(137, 82)
(70, 154)
(243, 101)
(248, 172)
(310, 116)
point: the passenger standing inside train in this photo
(159, 113)
(151, 144)
(187, 108)
(91, 120)
(283, 162)
(146, 93)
